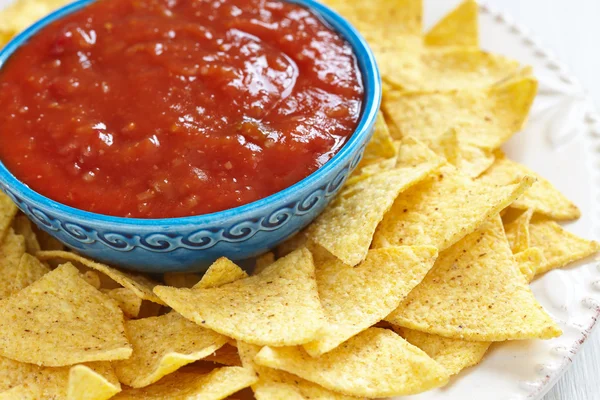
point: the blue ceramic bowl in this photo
(192, 243)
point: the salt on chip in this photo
(559, 246)
(22, 226)
(126, 299)
(138, 284)
(452, 354)
(475, 291)
(483, 118)
(460, 27)
(181, 279)
(443, 209)
(375, 363)
(215, 385)
(8, 210)
(542, 197)
(61, 320)
(280, 306)
(162, 345)
(517, 232)
(12, 249)
(346, 227)
(348, 293)
(530, 261)
(221, 272)
(275, 384)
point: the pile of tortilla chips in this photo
(421, 262)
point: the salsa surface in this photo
(169, 108)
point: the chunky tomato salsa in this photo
(169, 108)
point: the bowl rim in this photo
(371, 80)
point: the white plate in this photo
(561, 142)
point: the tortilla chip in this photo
(279, 306)
(448, 146)
(263, 261)
(347, 293)
(30, 269)
(215, 385)
(474, 161)
(22, 226)
(346, 227)
(20, 14)
(452, 354)
(434, 212)
(46, 241)
(181, 279)
(381, 146)
(127, 301)
(90, 381)
(8, 210)
(530, 261)
(61, 320)
(476, 292)
(226, 355)
(138, 284)
(221, 272)
(542, 197)
(11, 251)
(279, 385)
(93, 278)
(517, 232)
(162, 345)
(483, 118)
(458, 28)
(375, 363)
(559, 246)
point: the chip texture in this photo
(517, 232)
(8, 210)
(11, 251)
(458, 28)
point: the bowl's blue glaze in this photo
(192, 243)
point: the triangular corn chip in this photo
(138, 284)
(381, 146)
(346, 227)
(375, 363)
(443, 209)
(162, 345)
(61, 320)
(89, 381)
(181, 279)
(8, 210)
(274, 384)
(11, 251)
(279, 306)
(30, 269)
(447, 146)
(452, 354)
(186, 385)
(347, 293)
(126, 299)
(517, 231)
(484, 118)
(263, 261)
(530, 261)
(475, 291)
(221, 272)
(459, 28)
(226, 355)
(542, 197)
(22, 226)
(474, 161)
(559, 246)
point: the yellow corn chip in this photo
(61, 320)
(11, 251)
(347, 293)
(517, 232)
(474, 161)
(93, 278)
(459, 28)
(279, 306)
(542, 197)
(475, 291)
(346, 227)
(443, 209)
(483, 118)
(380, 147)
(215, 385)
(452, 354)
(559, 246)
(126, 299)
(181, 279)
(22, 226)
(221, 272)
(530, 261)
(8, 210)
(30, 269)
(375, 363)
(226, 355)
(138, 284)
(447, 146)
(263, 261)
(92, 381)
(162, 345)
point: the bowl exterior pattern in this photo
(193, 247)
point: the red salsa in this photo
(169, 108)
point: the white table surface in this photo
(570, 29)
